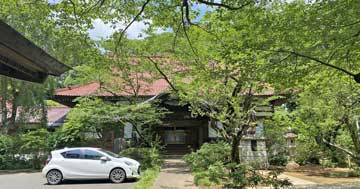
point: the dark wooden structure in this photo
(22, 59)
(181, 133)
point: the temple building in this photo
(180, 133)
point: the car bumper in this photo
(44, 171)
(134, 172)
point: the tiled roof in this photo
(96, 89)
(140, 84)
(145, 89)
(79, 90)
(57, 114)
(54, 115)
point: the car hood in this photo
(123, 159)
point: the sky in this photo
(102, 30)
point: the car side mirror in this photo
(104, 158)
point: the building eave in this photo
(22, 59)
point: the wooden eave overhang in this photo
(22, 59)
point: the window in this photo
(253, 145)
(128, 130)
(110, 153)
(91, 154)
(71, 154)
(175, 137)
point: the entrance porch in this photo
(181, 134)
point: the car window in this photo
(110, 153)
(71, 154)
(91, 154)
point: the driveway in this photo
(36, 181)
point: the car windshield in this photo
(110, 153)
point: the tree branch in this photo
(355, 76)
(224, 5)
(132, 21)
(187, 16)
(321, 62)
(77, 21)
(350, 24)
(163, 74)
(99, 2)
(339, 148)
(175, 37)
(185, 32)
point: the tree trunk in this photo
(3, 102)
(354, 134)
(44, 119)
(14, 107)
(346, 151)
(235, 155)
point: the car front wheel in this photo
(54, 177)
(117, 175)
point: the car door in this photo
(70, 164)
(92, 166)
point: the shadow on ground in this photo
(79, 182)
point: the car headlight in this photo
(128, 163)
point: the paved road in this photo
(36, 181)
(175, 175)
(330, 186)
(296, 181)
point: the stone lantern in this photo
(290, 137)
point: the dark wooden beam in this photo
(11, 72)
(19, 67)
(14, 41)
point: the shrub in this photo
(211, 167)
(279, 159)
(24, 151)
(6, 144)
(148, 157)
(211, 177)
(272, 180)
(236, 176)
(9, 154)
(207, 155)
(202, 179)
(34, 145)
(208, 163)
(204, 182)
(34, 141)
(307, 153)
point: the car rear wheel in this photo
(117, 175)
(54, 177)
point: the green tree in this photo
(50, 27)
(330, 108)
(96, 117)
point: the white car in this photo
(88, 163)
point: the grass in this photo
(147, 178)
